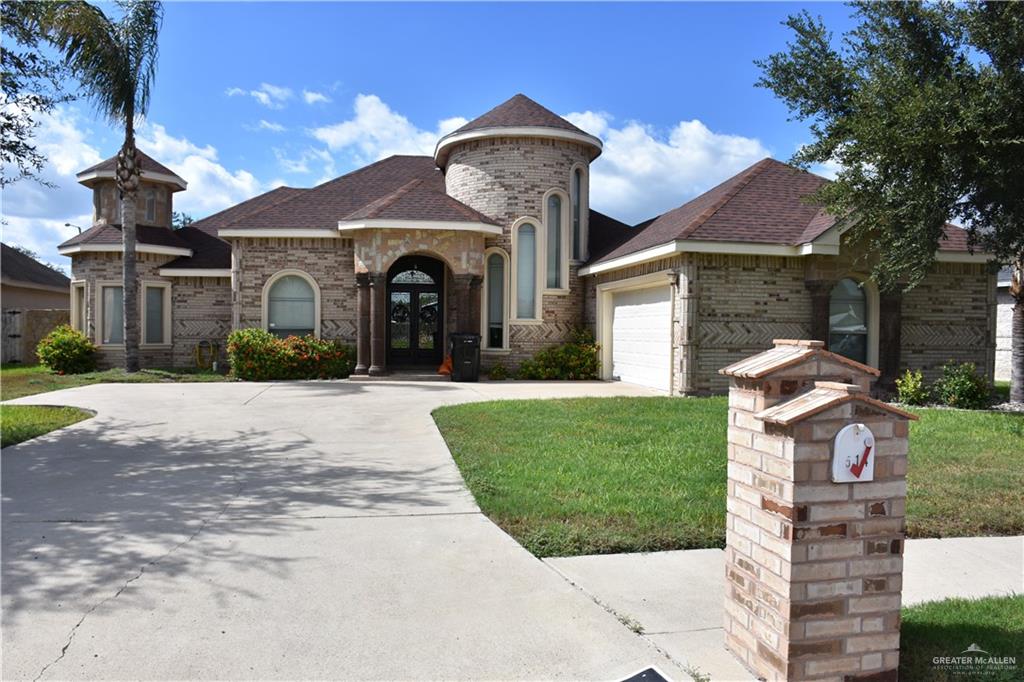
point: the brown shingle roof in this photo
(373, 188)
(146, 163)
(516, 112)
(768, 203)
(606, 234)
(418, 200)
(106, 233)
(14, 265)
(208, 251)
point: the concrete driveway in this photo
(315, 530)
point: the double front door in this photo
(415, 312)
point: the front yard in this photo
(17, 381)
(20, 422)
(588, 476)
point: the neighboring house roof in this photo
(519, 112)
(764, 204)
(398, 188)
(147, 165)
(516, 116)
(18, 268)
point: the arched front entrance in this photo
(415, 312)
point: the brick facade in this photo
(506, 178)
(330, 262)
(200, 308)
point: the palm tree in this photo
(115, 61)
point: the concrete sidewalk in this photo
(677, 597)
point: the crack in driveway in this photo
(129, 581)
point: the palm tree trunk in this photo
(1017, 335)
(128, 182)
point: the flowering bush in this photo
(67, 351)
(576, 360)
(258, 355)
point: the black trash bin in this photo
(465, 352)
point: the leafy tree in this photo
(31, 87)
(180, 220)
(115, 61)
(922, 107)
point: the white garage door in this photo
(642, 337)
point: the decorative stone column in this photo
(378, 323)
(815, 518)
(362, 323)
(467, 295)
(686, 329)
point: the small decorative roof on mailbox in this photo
(788, 353)
(825, 395)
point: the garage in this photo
(641, 329)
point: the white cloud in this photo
(303, 163)
(212, 187)
(376, 131)
(313, 97)
(270, 96)
(266, 125)
(643, 173)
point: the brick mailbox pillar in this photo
(815, 529)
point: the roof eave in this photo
(89, 178)
(433, 225)
(445, 144)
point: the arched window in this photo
(554, 234)
(495, 287)
(577, 213)
(291, 306)
(848, 321)
(525, 250)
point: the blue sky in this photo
(249, 96)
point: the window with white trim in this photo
(291, 307)
(577, 213)
(848, 320)
(525, 254)
(111, 328)
(554, 239)
(150, 195)
(78, 306)
(495, 318)
(156, 313)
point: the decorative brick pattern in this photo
(813, 568)
(330, 262)
(377, 250)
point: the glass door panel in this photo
(428, 314)
(399, 315)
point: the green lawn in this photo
(21, 422)
(600, 475)
(17, 381)
(949, 627)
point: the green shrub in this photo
(258, 355)
(578, 360)
(911, 388)
(67, 351)
(961, 386)
(498, 372)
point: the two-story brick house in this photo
(494, 234)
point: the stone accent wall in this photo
(377, 250)
(330, 262)
(813, 568)
(506, 179)
(200, 309)
(950, 316)
(106, 204)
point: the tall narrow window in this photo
(577, 211)
(495, 301)
(291, 307)
(554, 278)
(153, 328)
(112, 315)
(78, 306)
(150, 205)
(847, 321)
(526, 272)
